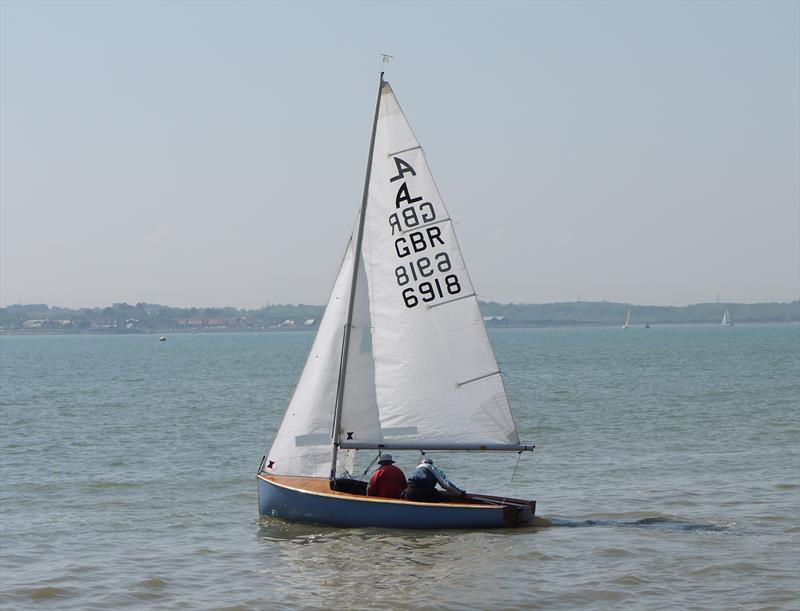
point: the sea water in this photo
(667, 467)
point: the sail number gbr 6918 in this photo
(436, 287)
(425, 273)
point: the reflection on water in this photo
(277, 530)
(406, 567)
(413, 568)
(362, 562)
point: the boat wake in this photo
(655, 522)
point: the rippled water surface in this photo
(667, 463)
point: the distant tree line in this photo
(146, 317)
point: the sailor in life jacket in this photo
(422, 484)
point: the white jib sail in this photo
(303, 443)
(436, 377)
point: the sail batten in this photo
(441, 303)
(488, 375)
(413, 148)
(424, 225)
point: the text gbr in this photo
(430, 276)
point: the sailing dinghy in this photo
(726, 319)
(401, 360)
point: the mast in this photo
(337, 413)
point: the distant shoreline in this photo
(123, 318)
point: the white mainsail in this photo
(420, 370)
(437, 380)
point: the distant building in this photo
(207, 323)
(103, 324)
(46, 324)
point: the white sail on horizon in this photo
(726, 319)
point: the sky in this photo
(212, 154)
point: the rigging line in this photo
(369, 466)
(514, 472)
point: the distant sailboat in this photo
(627, 324)
(726, 319)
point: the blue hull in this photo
(309, 503)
